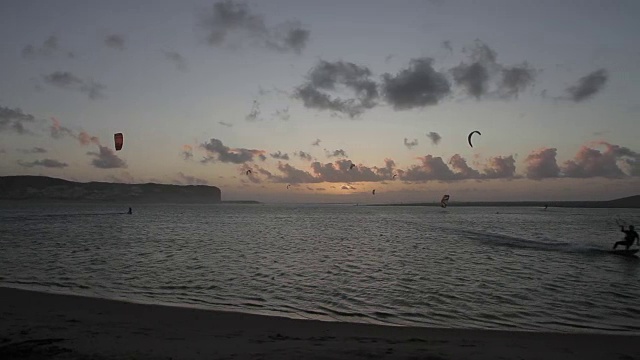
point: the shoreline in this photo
(42, 325)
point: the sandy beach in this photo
(36, 325)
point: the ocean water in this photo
(486, 268)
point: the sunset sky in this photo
(296, 91)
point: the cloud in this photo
(280, 155)
(178, 60)
(68, 81)
(419, 85)
(114, 41)
(316, 143)
(125, 177)
(434, 137)
(57, 130)
(218, 151)
(14, 120)
(106, 159)
(225, 124)
(235, 18)
(85, 139)
(48, 163)
(541, 164)
(433, 168)
(587, 163)
(328, 77)
(336, 153)
(500, 167)
(590, 162)
(48, 48)
(187, 152)
(190, 180)
(588, 85)
(412, 144)
(303, 155)
(292, 175)
(34, 150)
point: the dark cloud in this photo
(447, 46)
(410, 144)
(316, 143)
(49, 163)
(235, 18)
(187, 152)
(225, 124)
(542, 164)
(283, 114)
(34, 150)
(303, 155)
(14, 120)
(114, 41)
(474, 78)
(419, 85)
(220, 152)
(479, 75)
(280, 155)
(190, 180)
(68, 81)
(106, 159)
(332, 77)
(336, 153)
(434, 137)
(290, 36)
(255, 112)
(588, 85)
(48, 48)
(178, 60)
(515, 79)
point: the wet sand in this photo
(35, 325)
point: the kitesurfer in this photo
(630, 236)
(130, 211)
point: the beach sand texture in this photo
(36, 325)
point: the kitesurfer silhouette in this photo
(130, 211)
(630, 236)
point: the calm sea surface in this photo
(490, 268)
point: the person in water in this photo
(630, 236)
(130, 212)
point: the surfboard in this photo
(625, 252)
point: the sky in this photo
(275, 100)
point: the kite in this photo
(352, 166)
(373, 192)
(118, 140)
(248, 172)
(444, 201)
(469, 137)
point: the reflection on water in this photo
(457, 267)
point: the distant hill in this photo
(42, 188)
(627, 202)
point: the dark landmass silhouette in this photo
(43, 188)
(631, 202)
